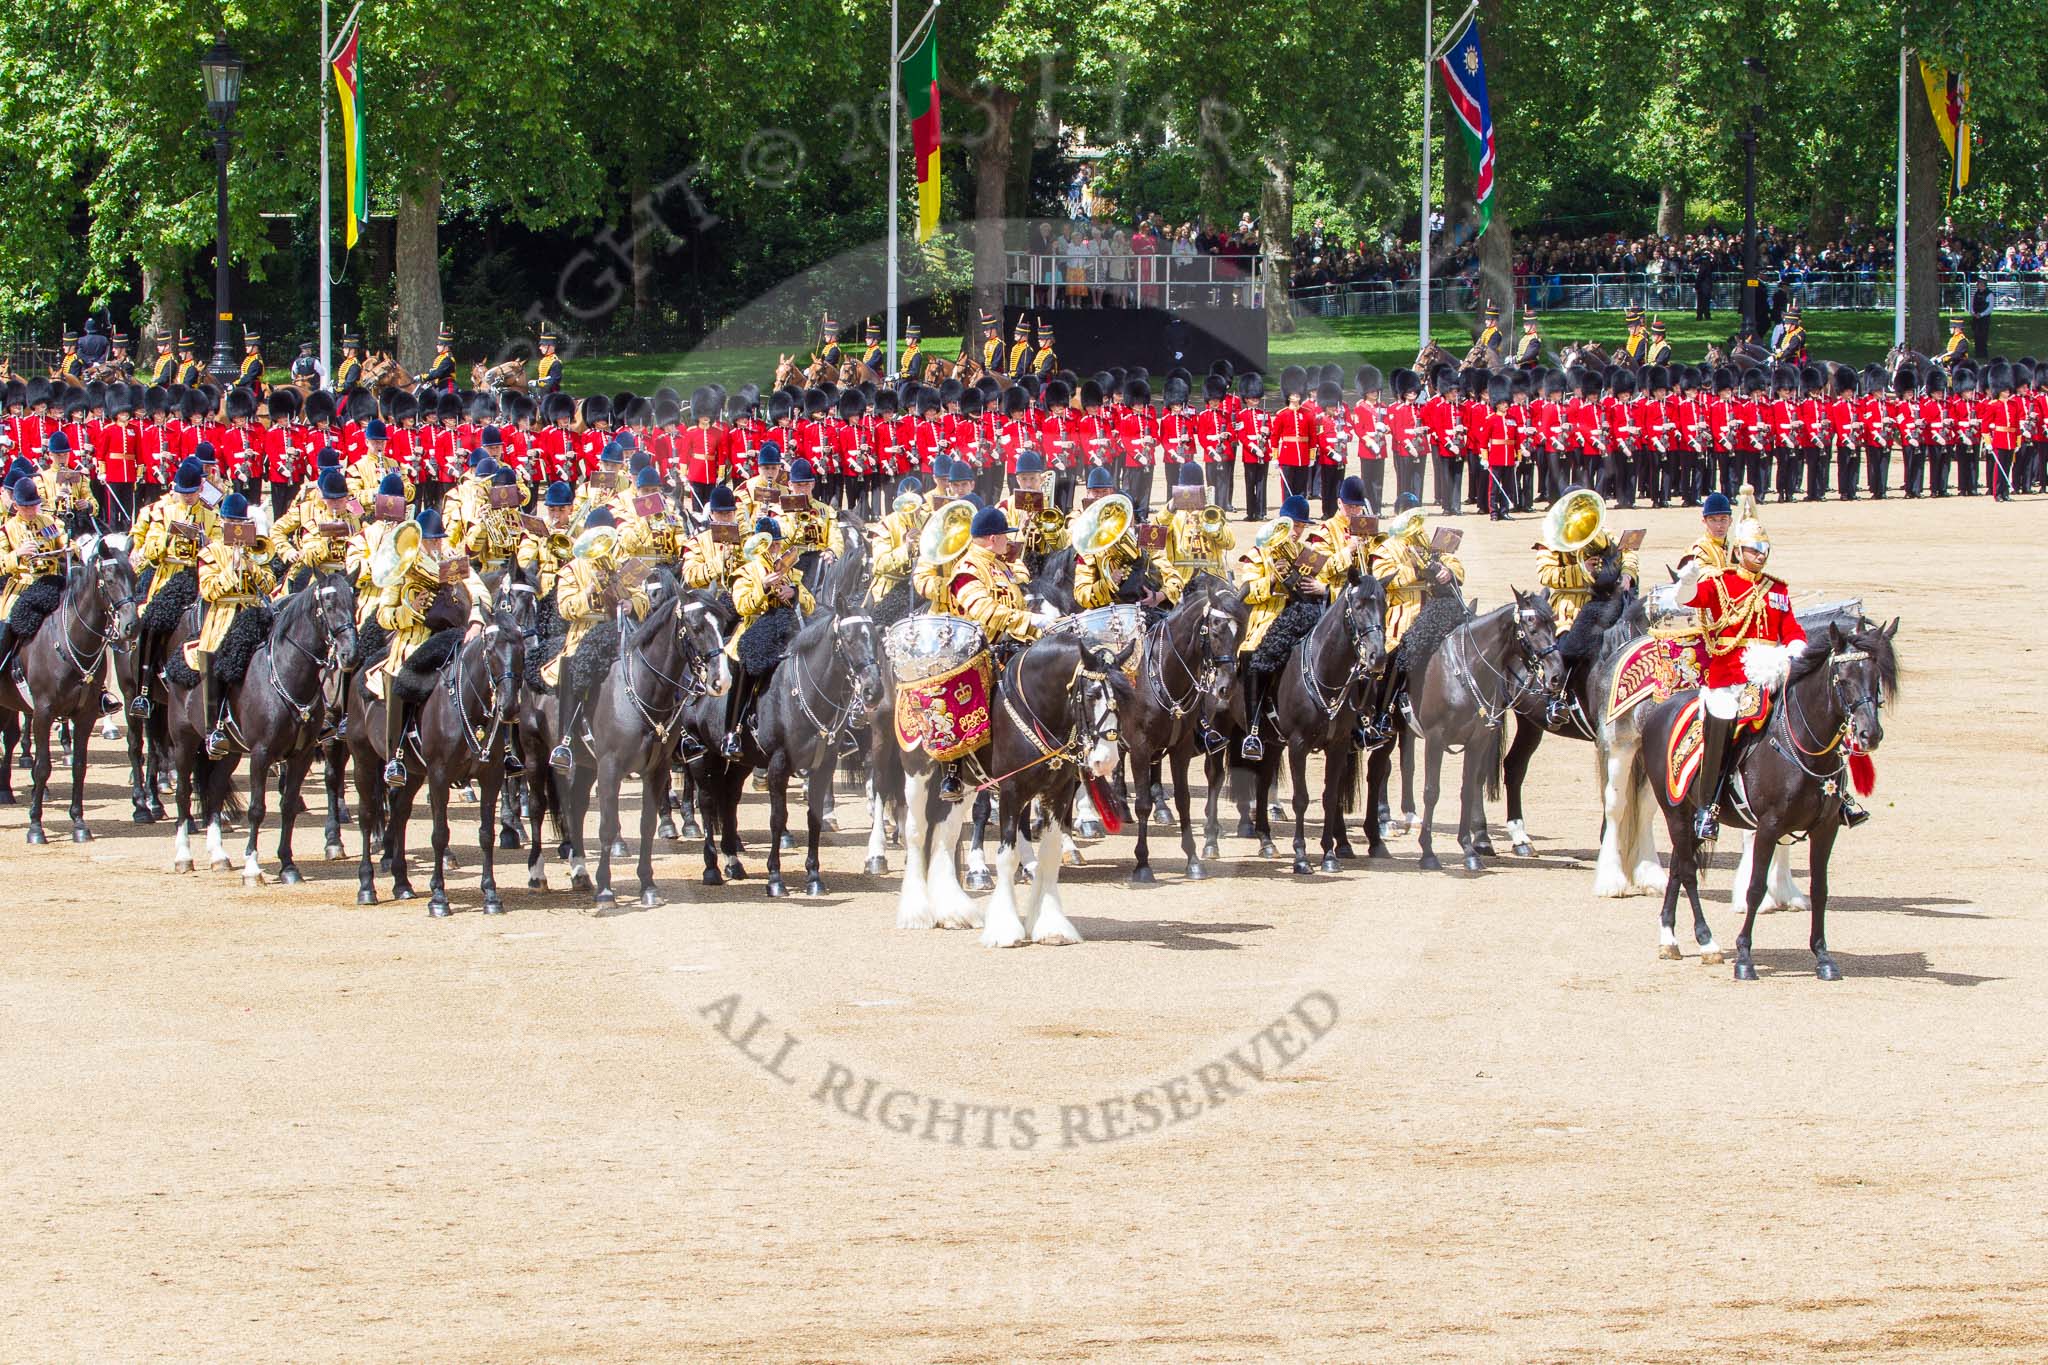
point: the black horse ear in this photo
(1123, 656)
(1893, 629)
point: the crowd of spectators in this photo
(1084, 263)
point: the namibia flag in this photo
(1465, 83)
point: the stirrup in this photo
(514, 766)
(1212, 739)
(110, 705)
(140, 706)
(951, 788)
(1852, 814)
(1252, 748)
(394, 773)
(216, 743)
(562, 758)
(731, 745)
(1706, 826)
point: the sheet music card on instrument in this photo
(1445, 540)
(187, 530)
(1365, 524)
(724, 535)
(650, 504)
(390, 506)
(1028, 501)
(1189, 499)
(1310, 562)
(240, 533)
(1151, 537)
(455, 569)
(507, 495)
(1633, 538)
(534, 525)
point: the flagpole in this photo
(1428, 44)
(326, 219)
(895, 96)
(1899, 230)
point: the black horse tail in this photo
(1495, 762)
(1351, 781)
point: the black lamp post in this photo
(223, 71)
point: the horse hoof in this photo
(1268, 849)
(1331, 864)
(6, 798)
(1826, 970)
(253, 879)
(36, 835)
(649, 898)
(1432, 863)
(733, 871)
(1210, 850)
(80, 834)
(507, 837)
(438, 907)
(289, 875)
(580, 881)
(142, 816)
(980, 879)
(1089, 829)
(221, 864)
(1196, 872)
(1245, 830)
(604, 900)
(1142, 876)
(1744, 971)
(1163, 818)
(1023, 876)
(1711, 957)
(692, 830)
(404, 893)
(1376, 849)
(182, 865)
(1668, 952)
(775, 887)
(619, 849)
(1525, 850)
(876, 866)
(814, 886)
(1473, 863)
(829, 822)
(666, 830)
(711, 877)
(1302, 869)
(366, 897)
(336, 853)
(493, 905)
(537, 883)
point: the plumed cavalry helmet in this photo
(1749, 534)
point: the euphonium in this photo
(599, 545)
(1574, 521)
(395, 553)
(947, 533)
(1102, 524)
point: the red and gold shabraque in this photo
(947, 716)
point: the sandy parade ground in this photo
(1380, 1114)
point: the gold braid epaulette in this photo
(1740, 613)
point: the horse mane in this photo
(1872, 639)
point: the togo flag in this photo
(352, 133)
(921, 96)
(1465, 85)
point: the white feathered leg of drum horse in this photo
(1780, 891)
(1628, 862)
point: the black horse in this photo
(85, 613)
(279, 711)
(1787, 780)
(464, 683)
(829, 683)
(1458, 697)
(666, 661)
(1188, 655)
(1319, 700)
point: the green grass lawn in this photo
(1853, 338)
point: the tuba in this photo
(1574, 521)
(599, 545)
(1102, 524)
(1406, 526)
(395, 555)
(947, 534)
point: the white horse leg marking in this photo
(952, 905)
(977, 860)
(1084, 806)
(1518, 832)
(1667, 934)
(181, 846)
(1740, 890)
(1004, 929)
(215, 853)
(1608, 877)
(914, 902)
(252, 869)
(1049, 925)
(1638, 815)
(1781, 889)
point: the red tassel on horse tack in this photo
(1863, 773)
(1105, 804)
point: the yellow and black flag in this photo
(1948, 95)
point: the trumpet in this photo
(1212, 522)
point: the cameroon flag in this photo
(352, 135)
(921, 94)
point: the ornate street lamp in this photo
(223, 72)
